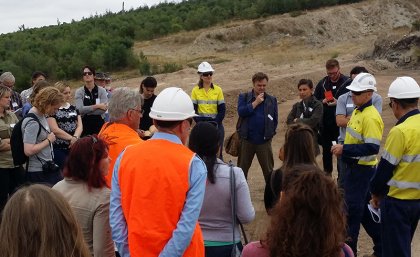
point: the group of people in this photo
(146, 181)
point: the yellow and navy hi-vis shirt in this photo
(402, 149)
(207, 101)
(363, 135)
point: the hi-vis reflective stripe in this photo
(368, 158)
(210, 101)
(207, 115)
(411, 158)
(354, 133)
(358, 136)
(365, 158)
(390, 158)
(373, 141)
(404, 185)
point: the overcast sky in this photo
(38, 13)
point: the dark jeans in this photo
(399, 220)
(10, 180)
(92, 124)
(60, 156)
(356, 189)
(39, 177)
(327, 136)
(221, 251)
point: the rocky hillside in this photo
(376, 33)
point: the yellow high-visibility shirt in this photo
(402, 149)
(365, 126)
(207, 101)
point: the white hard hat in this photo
(403, 88)
(362, 82)
(205, 67)
(172, 104)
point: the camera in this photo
(50, 167)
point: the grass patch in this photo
(296, 13)
(416, 25)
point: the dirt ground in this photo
(287, 49)
(256, 180)
(283, 86)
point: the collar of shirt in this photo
(407, 115)
(211, 86)
(167, 136)
(363, 106)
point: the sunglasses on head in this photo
(88, 73)
(206, 74)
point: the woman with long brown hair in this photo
(298, 148)
(308, 221)
(38, 222)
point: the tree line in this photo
(105, 41)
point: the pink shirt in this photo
(255, 249)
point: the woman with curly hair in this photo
(308, 221)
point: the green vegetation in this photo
(105, 41)
(416, 25)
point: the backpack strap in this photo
(32, 116)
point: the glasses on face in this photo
(356, 93)
(88, 73)
(390, 104)
(332, 73)
(207, 74)
(137, 110)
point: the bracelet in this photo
(49, 142)
(76, 137)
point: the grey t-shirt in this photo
(30, 129)
(216, 213)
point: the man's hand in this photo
(332, 103)
(375, 201)
(259, 99)
(337, 149)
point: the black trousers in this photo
(327, 136)
(10, 180)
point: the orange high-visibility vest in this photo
(118, 137)
(154, 181)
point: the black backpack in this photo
(16, 140)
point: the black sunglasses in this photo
(356, 93)
(88, 73)
(206, 74)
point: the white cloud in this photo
(38, 13)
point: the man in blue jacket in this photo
(258, 119)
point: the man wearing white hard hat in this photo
(158, 186)
(361, 145)
(395, 188)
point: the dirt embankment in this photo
(377, 34)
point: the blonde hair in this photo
(38, 222)
(4, 90)
(38, 87)
(47, 97)
(61, 86)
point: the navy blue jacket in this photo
(263, 119)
